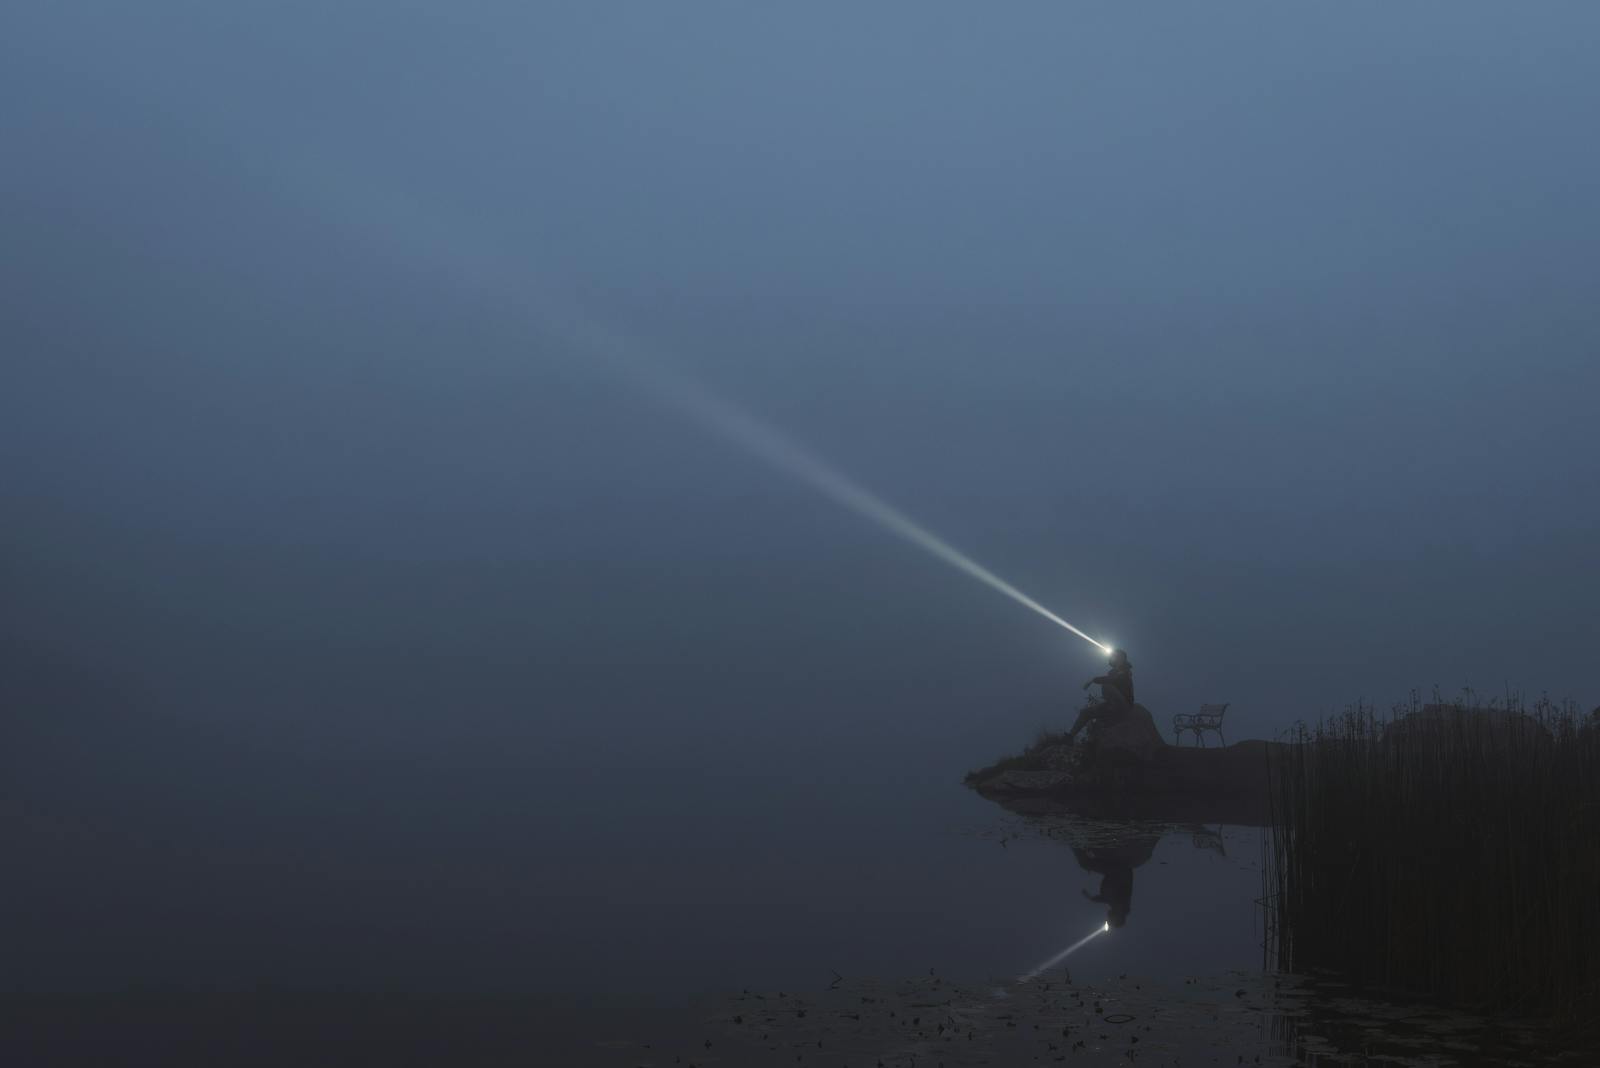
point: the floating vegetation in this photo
(1450, 850)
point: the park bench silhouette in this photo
(1209, 718)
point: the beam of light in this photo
(1064, 954)
(755, 437)
(399, 221)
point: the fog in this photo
(1257, 340)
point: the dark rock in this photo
(1123, 766)
(1025, 783)
(1061, 757)
(1133, 734)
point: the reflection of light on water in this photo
(1065, 953)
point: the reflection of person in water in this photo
(1116, 894)
(1114, 863)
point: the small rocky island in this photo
(1124, 767)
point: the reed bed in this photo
(1449, 850)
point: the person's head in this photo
(1118, 658)
(1117, 915)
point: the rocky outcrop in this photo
(1131, 735)
(1026, 783)
(1123, 765)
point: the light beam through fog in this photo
(735, 425)
(402, 222)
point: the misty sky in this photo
(1261, 339)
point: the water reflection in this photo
(1204, 837)
(1111, 849)
(1197, 887)
(1114, 863)
(1320, 1022)
(1250, 1018)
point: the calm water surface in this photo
(232, 863)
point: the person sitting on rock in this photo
(1116, 693)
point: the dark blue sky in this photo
(1259, 338)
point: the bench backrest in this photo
(1213, 711)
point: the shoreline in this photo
(1251, 1018)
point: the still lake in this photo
(228, 863)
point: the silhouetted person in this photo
(1116, 694)
(1116, 894)
(1114, 863)
(1116, 684)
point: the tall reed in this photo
(1444, 850)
